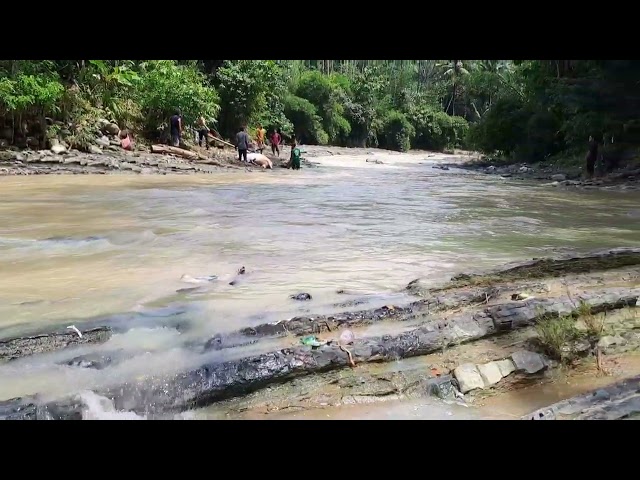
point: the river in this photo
(76, 248)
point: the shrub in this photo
(436, 130)
(396, 132)
(307, 124)
(166, 86)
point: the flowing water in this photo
(79, 249)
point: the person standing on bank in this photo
(242, 144)
(260, 135)
(175, 123)
(275, 142)
(203, 133)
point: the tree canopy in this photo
(529, 110)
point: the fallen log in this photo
(549, 267)
(326, 323)
(94, 331)
(218, 381)
(615, 402)
(181, 152)
(21, 347)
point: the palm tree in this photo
(454, 72)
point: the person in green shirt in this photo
(294, 160)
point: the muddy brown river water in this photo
(73, 248)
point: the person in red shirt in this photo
(275, 142)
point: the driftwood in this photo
(216, 381)
(181, 152)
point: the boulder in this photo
(102, 141)
(506, 367)
(490, 373)
(468, 377)
(610, 340)
(559, 177)
(529, 362)
(111, 129)
(58, 149)
(302, 297)
(94, 149)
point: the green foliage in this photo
(435, 130)
(23, 92)
(527, 110)
(307, 123)
(325, 92)
(251, 91)
(555, 333)
(396, 132)
(502, 128)
(165, 86)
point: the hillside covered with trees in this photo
(525, 110)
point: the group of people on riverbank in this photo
(243, 143)
(242, 140)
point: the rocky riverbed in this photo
(474, 335)
(623, 178)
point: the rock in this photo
(440, 387)
(113, 148)
(506, 367)
(57, 149)
(530, 362)
(95, 150)
(490, 373)
(302, 297)
(102, 141)
(19, 157)
(114, 142)
(610, 340)
(111, 128)
(95, 361)
(468, 377)
(559, 177)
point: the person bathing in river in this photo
(203, 132)
(175, 123)
(275, 142)
(242, 144)
(260, 134)
(592, 156)
(294, 159)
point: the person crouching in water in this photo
(294, 160)
(275, 142)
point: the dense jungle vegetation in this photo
(527, 110)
